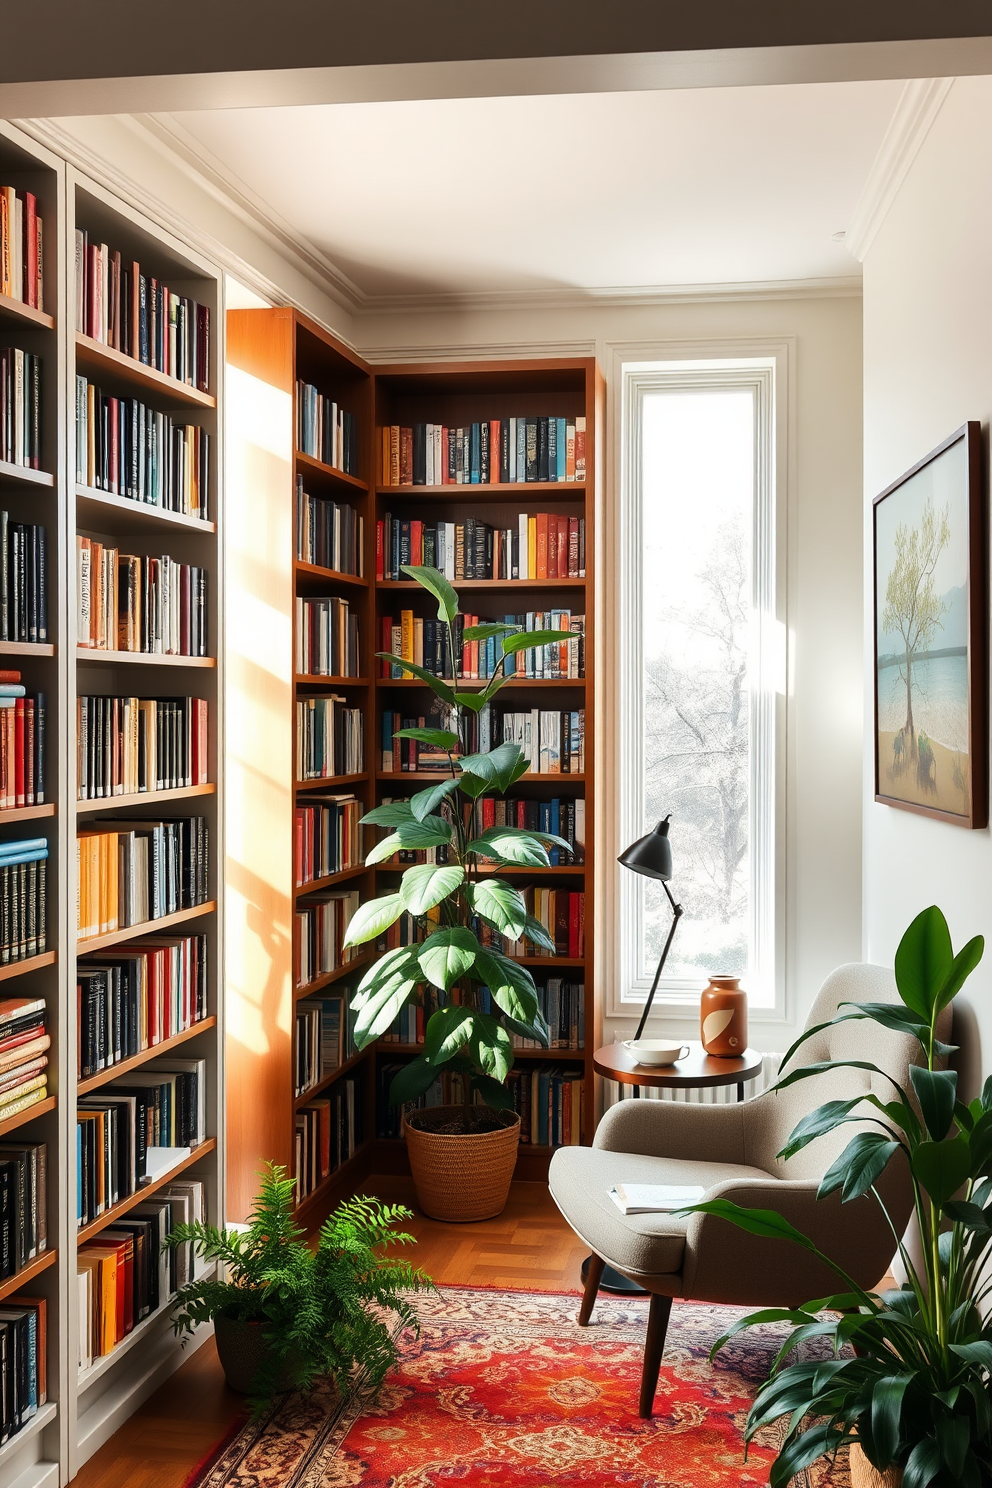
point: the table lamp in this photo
(651, 856)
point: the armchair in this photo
(731, 1150)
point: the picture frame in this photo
(930, 634)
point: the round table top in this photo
(692, 1073)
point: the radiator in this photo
(714, 1095)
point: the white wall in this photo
(824, 889)
(928, 368)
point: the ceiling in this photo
(498, 196)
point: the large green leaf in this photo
(510, 845)
(369, 920)
(490, 1047)
(380, 1009)
(437, 738)
(972, 1216)
(473, 701)
(411, 1082)
(936, 1091)
(493, 1093)
(511, 985)
(824, 1119)
(962, 966)
(389, 815)
(439, 687)
(766, 1223)
(942, 1167)
(923, 1464)
(526, 640)
(980, 1144)
(448, 1031)
(538, 933)
(433, 580)
(399, 960)
(433, 831)
(823, 1065)
(424, 802)
(487, 631)
(495, 767)
(500, 905)
(429, 884)
(818, 1441)
(854, 1172)
(923, 961)
(447, 955)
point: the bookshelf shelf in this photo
(306, 465)
(479, 683)
(470, 585)
(331, 782)
(102, 361)
(87, 654)
(16, 312)
(25, 475)
(511, 491)
(318, 679)
(317, 885)
(26, 813)
(114, 1071)
(147, 927)
(33, 963)
(329, 575)
(143, 798)
(107, 1220)
(40, 1108)
(328, 978)
(343, 1069)
(27, 648)
(95, 509)
(27, 1274)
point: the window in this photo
(702, 673)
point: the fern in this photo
(331, 1311)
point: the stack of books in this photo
(142, 870)
(328, 1132)
(23, 581)
(425, 642)
(139, 316)
(22, 744)
(542, 546)
(23, 1362)
(21, 248)
(321, 925)
(493, 452)
(327, 639)
(328, 534)
(325, 1038)
(327, 837)
(23, 1205)
(20, 407)
(563, 1006)
(127, 1272)
(23, 895)
(325, 431)
(329, 738)
(24, 1045)
(131, 450)
(136, 997)
(128, 745)
(127, 602)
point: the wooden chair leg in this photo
(594, 1273)
(654, 1347)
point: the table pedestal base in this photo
(615, 1282)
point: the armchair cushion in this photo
(698, 1133)
(639, 1244)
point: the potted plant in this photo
(284, 1313)
(462, 1157)
(913, 1400)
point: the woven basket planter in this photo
(462, 1178)
(863, 1475)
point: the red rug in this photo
(503, 1390)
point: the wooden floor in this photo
(528, 1246)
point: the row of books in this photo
(562, 1005)
(122, 1128)
(142, 870)
(324, 1039)
(128, 745)
(139, 316)
(492, 452)
(327, 639)
(425, 643)
(328, 1132)
(22, 744)
(127, 1272)
(554, 743)
(21, 247)
(320, 928)
(20, 407)
(23, 580)
(564, 816)
(543, 546)
(23, 1205)
(130, 602)
(136, 997)
(24, 1045)
(329, 738)
(549, 1099)
(131, 450)
(326, 837)
(324, 430)
(23, 1362)
(329, 534)
(23, 895)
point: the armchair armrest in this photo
(672, 1129)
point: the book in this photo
(655, 1198)
(136, 996)
(326, 838)
(133, 746)
(21, 239)
(320, 927)
(131, 450)
(488, 452)
(327, 638)
(131, 602)
(326, 431)
(329, 534)
(329, 738)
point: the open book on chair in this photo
(655, 1198)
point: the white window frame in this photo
(765, 374)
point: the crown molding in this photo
(478, 351)
(569, 297)
(919, 104)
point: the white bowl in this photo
(655, 1051)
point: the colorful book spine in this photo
(128, 449)
(546, 448)
(132, 602)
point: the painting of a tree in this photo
(913, 608)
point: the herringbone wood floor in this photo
(528, 1246)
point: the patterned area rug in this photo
(504, 1390)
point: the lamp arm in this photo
(677, 912)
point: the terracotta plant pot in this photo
(863, 1475)
(460, 1178)
(241, 1349)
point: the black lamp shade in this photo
(651, 855)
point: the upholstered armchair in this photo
(732, 1151)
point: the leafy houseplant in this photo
(915, 1396)
(449, 955)
(286, 1314)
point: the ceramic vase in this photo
(723, 1018)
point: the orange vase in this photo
(723, 1018)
